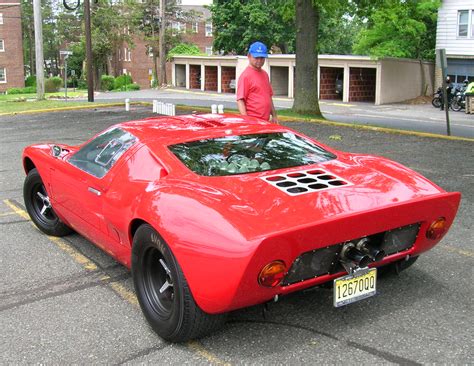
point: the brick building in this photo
(138, 62)
(11, 46)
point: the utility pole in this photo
(162, 78)
(90, 77)
(39, 49)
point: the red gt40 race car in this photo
(214, 213)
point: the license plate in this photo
(354, 287)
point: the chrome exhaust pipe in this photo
(350, 253)
(374, 253)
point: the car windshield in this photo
(249, 153)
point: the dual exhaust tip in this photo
(361, 253)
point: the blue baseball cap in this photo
(258, 49)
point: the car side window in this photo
(98, 156)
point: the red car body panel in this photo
(223, 230)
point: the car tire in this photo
(39, 207)
(396, 267)
(163, 292)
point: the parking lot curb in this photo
(72, 108)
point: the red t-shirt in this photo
(255, 89)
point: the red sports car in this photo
(218, 212)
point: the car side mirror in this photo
(56, 151)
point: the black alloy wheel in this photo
(38, 206)
(163, 292)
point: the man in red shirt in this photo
(254, 92)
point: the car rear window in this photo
(99, 155)
(249, 153)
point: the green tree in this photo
(238, 23)
(401, 28)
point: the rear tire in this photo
(163, 292)
(39, 207)
(436, 102)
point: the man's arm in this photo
(242, 107)
(273, 113)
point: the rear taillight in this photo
(272, 274)
(437, 229)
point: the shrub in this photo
(121, 81)
(81, 84)
(53, 84)
(133, 86)
(30, 81)
(107, 82)
(27, 90)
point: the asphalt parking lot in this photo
(63, 301)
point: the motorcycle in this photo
(459, 100)
(438, 98)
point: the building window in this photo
(472, 23)
(208, 29)
(1, 18)
(2, 45)
(127, 54)
(178, 27)
(209, 51)
(195, 26)
(3, 75)
(463, 23)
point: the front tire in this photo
(39, 207)
(455, 105)
(163, 292)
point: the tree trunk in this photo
(306, 78)
(162, 76)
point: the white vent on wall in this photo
(306, 181)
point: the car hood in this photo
(252, 206)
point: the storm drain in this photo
(306, 181)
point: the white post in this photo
(173, 110)
(214, 108)
(187, 76)
(39, 49)
(127, 105)
(155, 105)
(219, 78)
(220, 108)
(203, 77)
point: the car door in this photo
(80, 182)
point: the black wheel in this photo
(436, 102)
(39, 208)
(163, 292)
(455, 105)
(396, 267)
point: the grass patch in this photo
(17, 103)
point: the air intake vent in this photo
(208, 123)
(306, 181)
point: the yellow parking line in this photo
(199, 349)
(117, 287)
(342, 104)
(60, 243)
(464, 252)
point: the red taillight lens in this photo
(437, 229)
(272, 274)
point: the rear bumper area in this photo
(415, 216)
